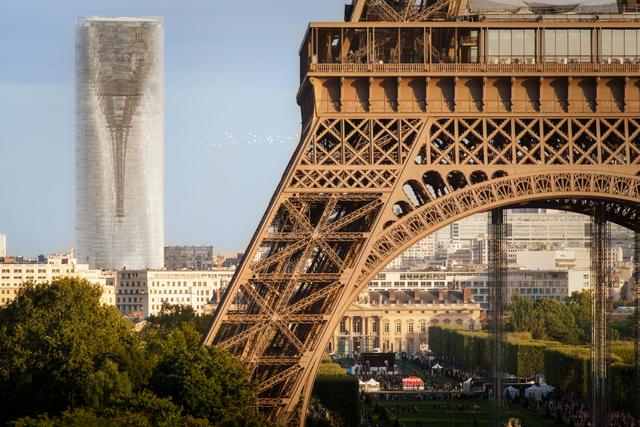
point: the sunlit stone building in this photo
(14, 275)
(399, 320)
(140, 293)
(119, 154)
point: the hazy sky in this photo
(231, 121)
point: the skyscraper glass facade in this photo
(119, 153)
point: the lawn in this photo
(440, 414)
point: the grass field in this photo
(440, 414)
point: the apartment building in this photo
(14, 275)
(140, 293)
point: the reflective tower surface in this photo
(119, 153)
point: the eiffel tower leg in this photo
(497, 295)
(600, 284)
(636, 316)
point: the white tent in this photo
(362, 385)
(466, 386)
(511, 392)
(436, 367)
(547, 389)
(372, 386)
(534, 392)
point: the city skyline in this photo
(206, 140)
(452, 193)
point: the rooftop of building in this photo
(188, 247)
(470, 269)
(122, 19)
(185, 270)
(415, 296)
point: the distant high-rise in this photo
(188, 257)
(3, 245)
(119, 155)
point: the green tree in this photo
(579, 304)
(521, 314)
(544, 318)
(208, 383)
(625, 328)
(145, 409)
(559, 322)
(175, 328)
(59, 345)
(524, 317)
(172, 316)
(107, 386)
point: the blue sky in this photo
(231, 74)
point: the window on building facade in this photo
(398, 327)
(386, 327)
(423, 326)
(621, 46)
(567, 45)
(374, 327)
(357, 325)
(508, 46)
(343, 326)
(410, 327)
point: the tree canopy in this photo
(547, 318)
(69, 360)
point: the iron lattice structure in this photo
(498, 297)
(600, 315)
(407, 127)
(636, 315)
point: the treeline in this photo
(566, 321)
(335, 398)
(566, 366)
(67, 360)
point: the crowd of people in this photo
(573, 411)
(565, 409)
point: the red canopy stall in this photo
(412, 383)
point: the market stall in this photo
(412, 383)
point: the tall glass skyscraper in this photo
(119, 153)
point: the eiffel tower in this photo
(417, 114)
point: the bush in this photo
(340, 394)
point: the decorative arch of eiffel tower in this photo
(416, 115)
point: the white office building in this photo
(140, 293)
(527, 230)
(554, 284)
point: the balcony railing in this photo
(476, 106)
(548, 67)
